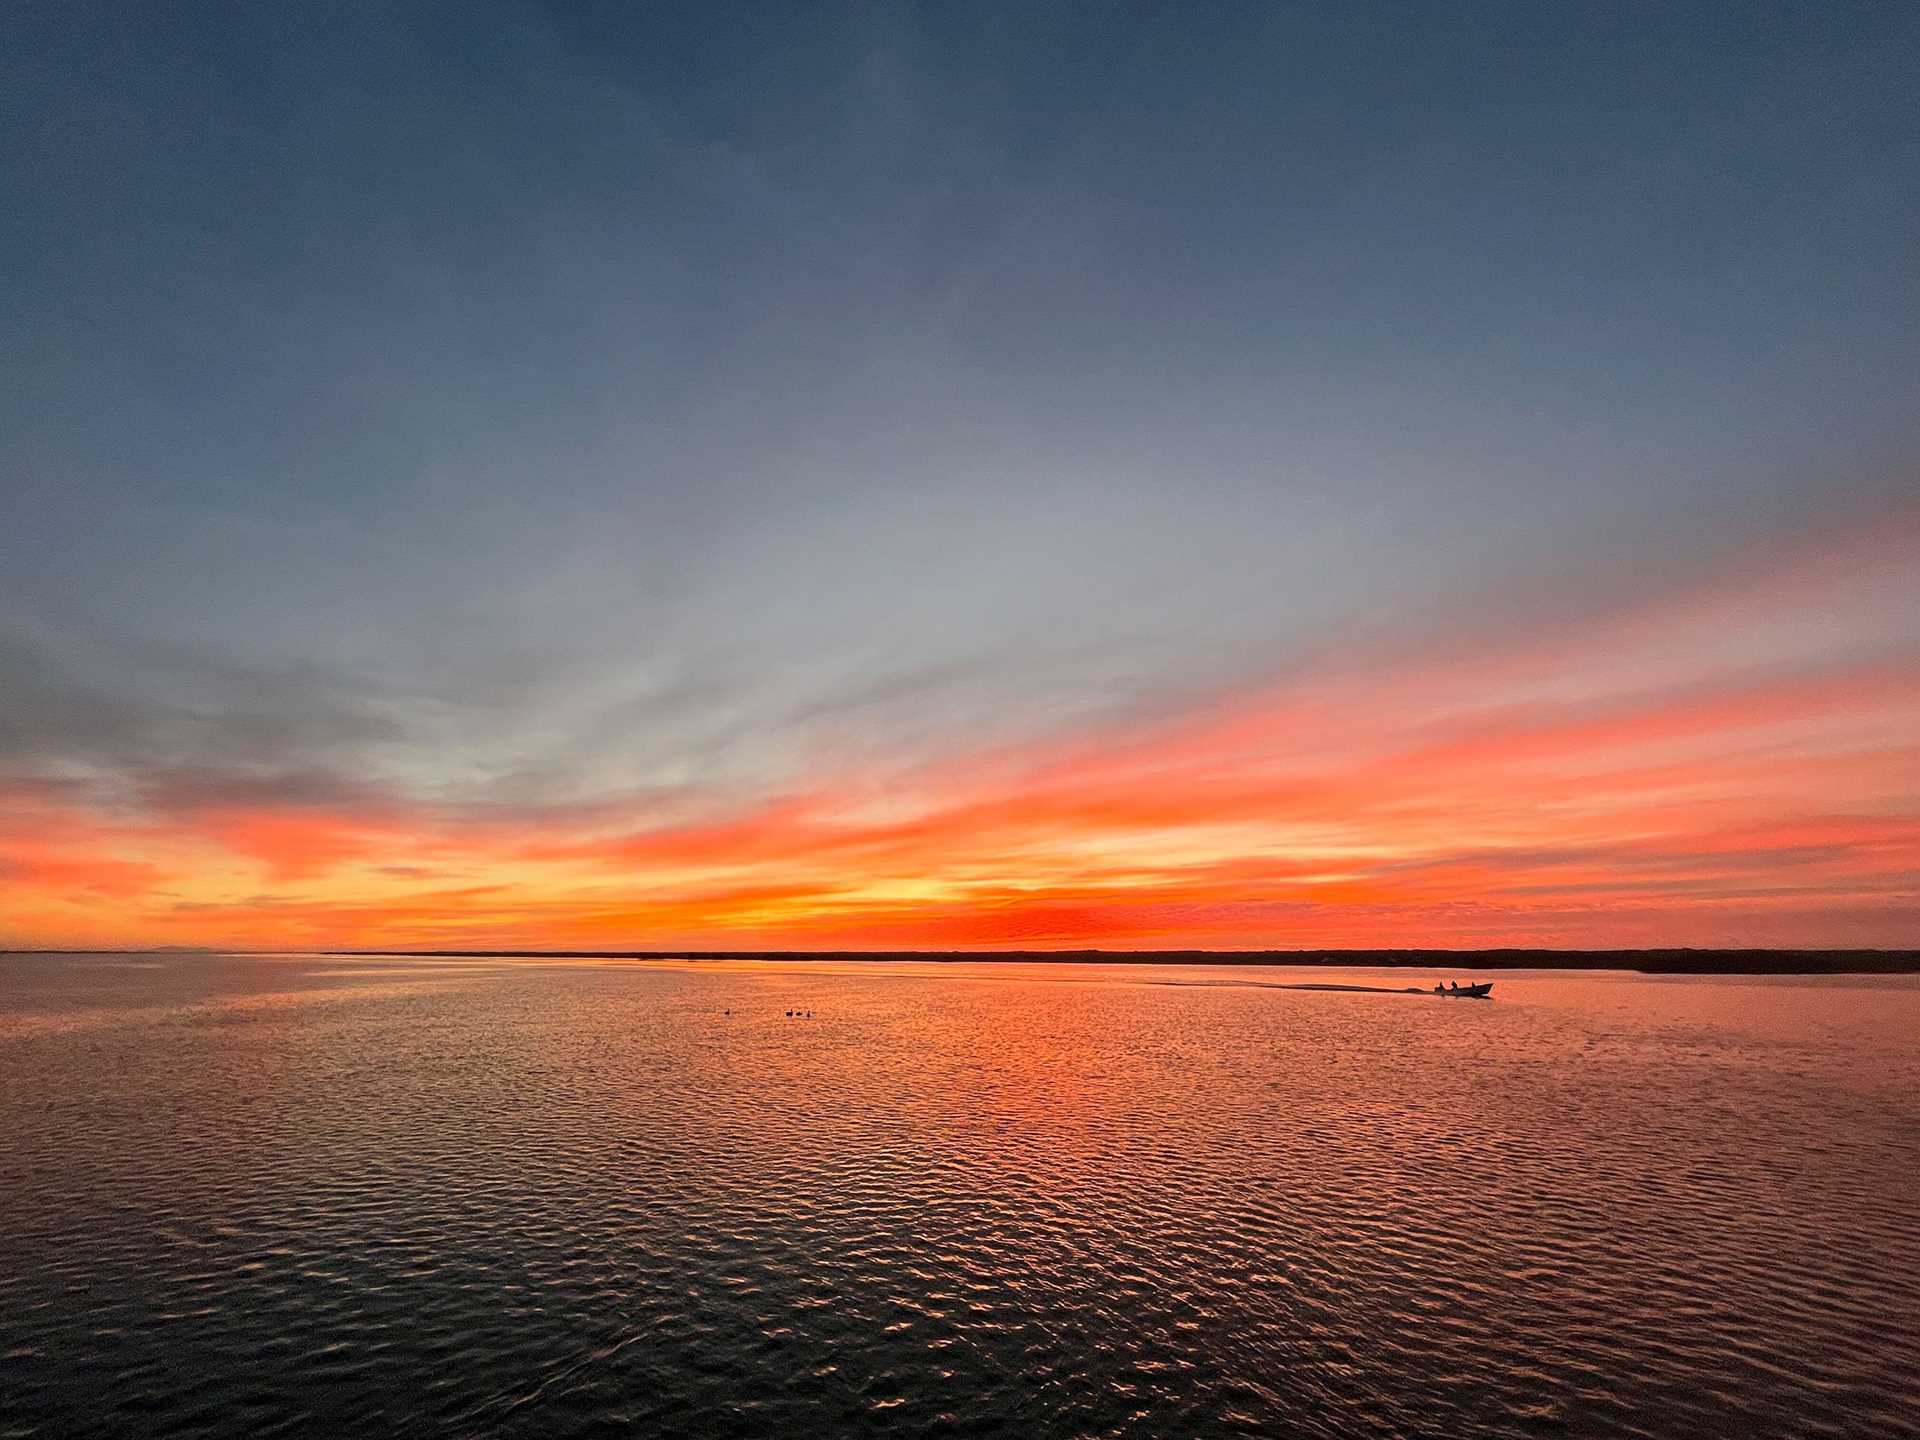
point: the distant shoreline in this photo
(1647, 962)
(1650, 962)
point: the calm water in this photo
(258, 1196)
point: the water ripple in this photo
(255, 1196)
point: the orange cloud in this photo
(1689, 775)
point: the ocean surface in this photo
(262, 1196)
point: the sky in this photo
(887, 476)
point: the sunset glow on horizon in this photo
(1683, 770)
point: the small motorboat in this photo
(1465, 992)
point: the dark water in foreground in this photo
(263, 1196)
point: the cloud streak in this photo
(1363, 801)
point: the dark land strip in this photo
(1648, 962)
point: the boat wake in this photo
(1474, 992)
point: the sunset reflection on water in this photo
(505, 1197)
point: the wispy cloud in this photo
(1367, 799)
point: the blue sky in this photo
(512, 403)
